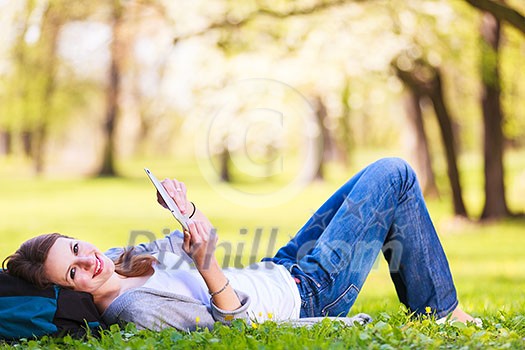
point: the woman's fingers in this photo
(161, 201)
(206, 233)
(186, 242)
(200, 242)
(176, 190)
(180, 196)
(190, 237)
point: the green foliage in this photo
(37, 91)
(395, 330)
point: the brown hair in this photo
(130, 264)
(28, 261)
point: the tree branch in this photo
(304, 11)
(502, 12)
(232, 23)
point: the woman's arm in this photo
(199, 243)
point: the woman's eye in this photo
(75, 248)
(72, 273)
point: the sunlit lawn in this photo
(487, 261)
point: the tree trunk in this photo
(112, 95)
(5, 142)
(27, 142)
(418, 79)
(40, 136)
(224, 163)
(319, 175)
(493, 141)
(346, 131)
(447, 136)
(419, 144)
(49, 39)
(108, 159)
(325, 147)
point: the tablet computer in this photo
(170, 203)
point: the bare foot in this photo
(459, 315)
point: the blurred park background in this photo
(263, 108)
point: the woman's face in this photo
(78, 265)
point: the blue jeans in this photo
(379, 209)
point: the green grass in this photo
(487, 261)
(388, 331)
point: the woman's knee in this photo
(394, 165)
(395, 169)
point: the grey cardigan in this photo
(152, 309)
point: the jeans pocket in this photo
(342, 304)
(317, 285)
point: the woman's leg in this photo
(381, 208)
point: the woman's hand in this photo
(177, 190)
(200, 242)
(200, 238)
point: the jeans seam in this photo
(445, 312)
(424, 248)
(350, 287)
(431, 273)
(363, 228)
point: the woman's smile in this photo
(99, 266)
